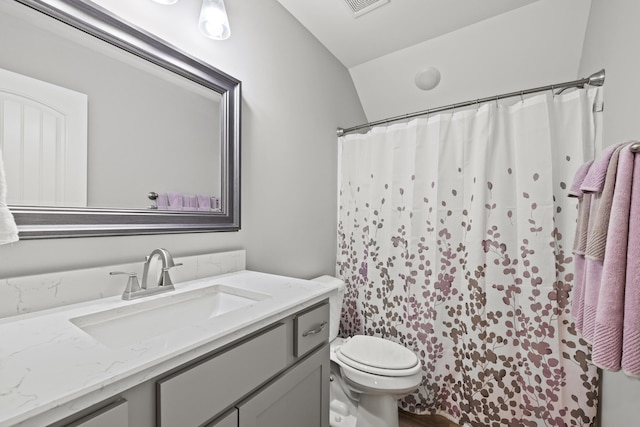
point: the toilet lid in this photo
(377, 355)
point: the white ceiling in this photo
(391, 27)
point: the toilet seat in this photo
(378, 356)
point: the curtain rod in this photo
(595, 79)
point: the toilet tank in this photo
(335, 303)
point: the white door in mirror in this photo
(43, 142)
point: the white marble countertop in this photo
(50, 368)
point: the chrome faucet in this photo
(162, 284)
(167, 263)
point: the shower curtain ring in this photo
(522, 96)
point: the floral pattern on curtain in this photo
(454, 239)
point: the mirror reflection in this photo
(143, 128)
(43, 140)
(149, 145)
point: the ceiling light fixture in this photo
(214, 22)
(427, 78)
(165, 1)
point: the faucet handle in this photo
(133, 285)
(169, 267)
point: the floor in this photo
(411, 420)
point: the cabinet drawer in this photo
(311, 329)
(197, 394)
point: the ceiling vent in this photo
(360, 7)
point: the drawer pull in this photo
(316, 330)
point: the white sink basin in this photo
(142, 320)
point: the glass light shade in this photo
(166, 1)
(213, 21)
(427, 78)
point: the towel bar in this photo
(635, 147)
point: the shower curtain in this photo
(454, 239)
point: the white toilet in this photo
(368, 374)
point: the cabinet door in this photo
(300, 397)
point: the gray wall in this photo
(534, 45)
(612, 42)
(295, 94)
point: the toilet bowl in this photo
(368, 374)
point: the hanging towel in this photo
(595, 179)
(175, 201)
(204, 202)
(597, 237)
(631, 336)
(190, 202)
(162, 201)
(8, 228)
(581, 174)
(577, 303)
(589, 288)
(601, 174)
(596, 245)
(607, 335)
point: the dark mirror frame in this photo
(58, 222)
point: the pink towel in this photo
(631, 336)
(162, 201)
(597, 237)
(603, 178)
(190, 202)
(594, 181)
(577, 303)
(204, 202)
(608, 334)
(578, 179)
(175, 201)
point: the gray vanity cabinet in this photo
(299, 398)
(293, 354)
(276, 377)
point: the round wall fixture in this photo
(427, 78)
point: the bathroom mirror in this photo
(158, 121)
